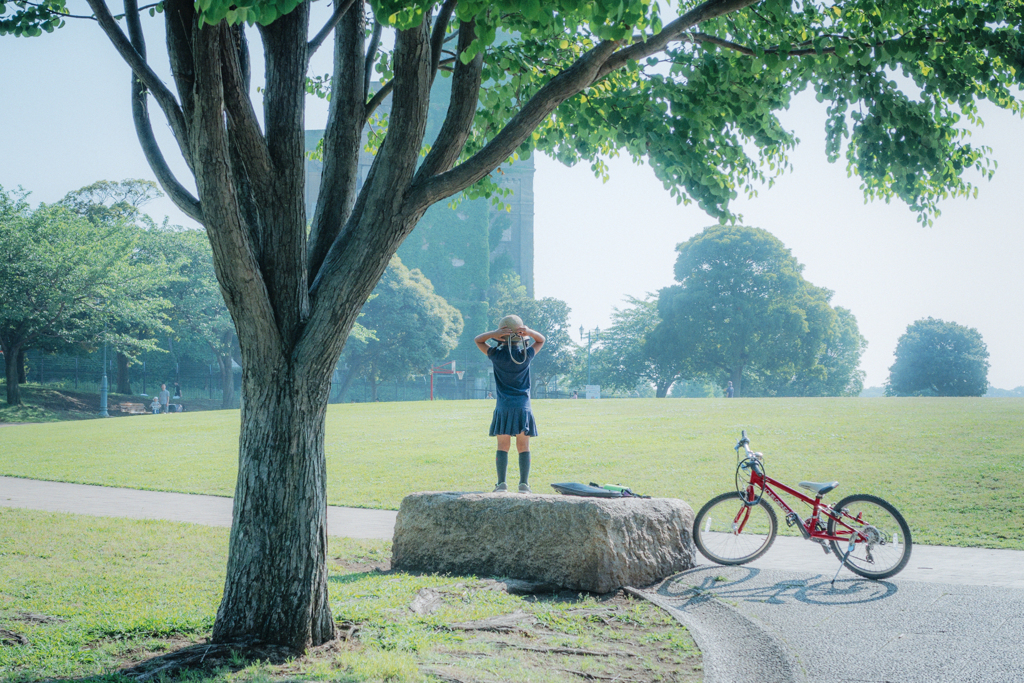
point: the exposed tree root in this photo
(236, 655)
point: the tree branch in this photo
(444, 15)
(138, 64)
(245, 291)
(377, 98)
(243, 126)
(63, 14)
(181, 26)
(283, 260)
(371, 57)
(671, 32)
(342, 138)
(461, 110)
(177, 193)
(560, 88)
(248, 156)
(377, 223)
(385, 90)
(340, 8)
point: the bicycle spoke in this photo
(881, 538)
(728, 532)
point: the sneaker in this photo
(501, 488)
(524, 488)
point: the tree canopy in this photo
(65, 278)
(627, 358)
(939, 358)
(547, 315)
(695, 94)
(743, 311)
(410, 328)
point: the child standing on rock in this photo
(513, 415)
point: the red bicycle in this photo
(867, 534)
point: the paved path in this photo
(105, 501)
(795, 626)
(954, 614)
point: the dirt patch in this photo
(348, 566)
(623, 640)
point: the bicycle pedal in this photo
(824, 546)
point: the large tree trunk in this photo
(276, 585)
(661, 389)
(124, 385)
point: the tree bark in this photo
(227, 381)
(661, 389)
(124, 385)
(276, 585)
(12, 368)
(22, 362)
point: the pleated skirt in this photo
(513, 421)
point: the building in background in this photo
(461, 246)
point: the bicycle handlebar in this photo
(744, 442)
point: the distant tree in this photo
(939, 358)
(626, 358)
(412, 328)
(108, 202)
(741, 304)
(197, 311)
(63, 277)
(836, 371)
(549, 316)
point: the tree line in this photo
(93, 269)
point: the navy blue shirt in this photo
(511, 379)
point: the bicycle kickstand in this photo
(842, 562)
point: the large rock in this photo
(591, 544)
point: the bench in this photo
(132, 408)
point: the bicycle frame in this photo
(808, 528)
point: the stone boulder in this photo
(590, 544)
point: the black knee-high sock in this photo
(524, 467)
(501, 464)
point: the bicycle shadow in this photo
(747, 584)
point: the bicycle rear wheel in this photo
(728, 532)
(884, 542)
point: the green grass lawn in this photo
(83, 597)
(951, 465)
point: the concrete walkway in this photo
(763, 625)
(105, 501)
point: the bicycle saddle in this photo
(819, 489)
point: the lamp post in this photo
(596, 333)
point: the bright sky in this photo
(66, 120)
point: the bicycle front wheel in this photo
(728, 532)
(882, 543)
